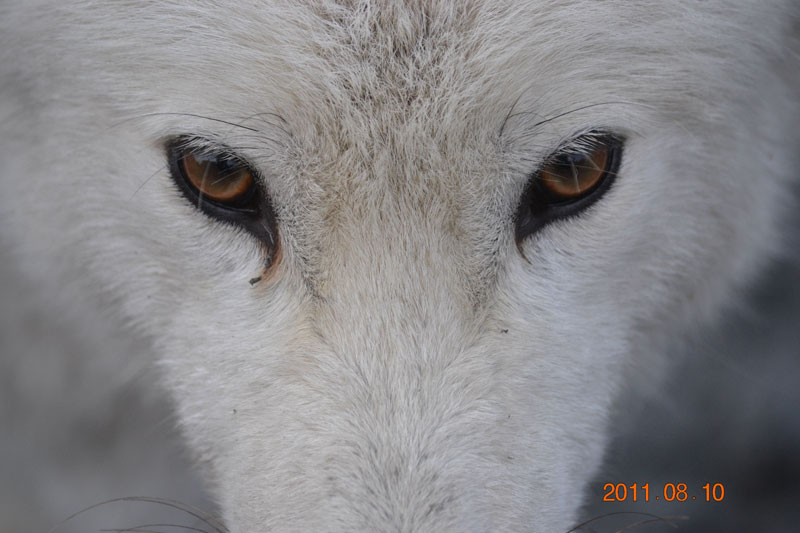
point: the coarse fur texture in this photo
(404, 365)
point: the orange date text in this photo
(671, 492)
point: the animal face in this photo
(397, 260)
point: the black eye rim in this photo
(251, 211)
(538, 207)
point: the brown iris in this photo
(572, 175)
(569, 182)
(216, 177)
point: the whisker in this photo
(191, 115)
(533, 127)
(651, 516)
(509, 115)
(146, 528)
(161, 169)
(666, 519)
(268, 113)
(197, 513)
(587, 106)
(135, 530)
(261, 134)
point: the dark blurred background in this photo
(729, 413)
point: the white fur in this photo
(404, 367)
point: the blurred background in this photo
(729, 413)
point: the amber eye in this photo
(223, 186)
(570, 181)
(572, 175)
(218, 178)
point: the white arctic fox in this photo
(395, 260)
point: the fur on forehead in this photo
(411, 65)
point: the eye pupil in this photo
(224, 165)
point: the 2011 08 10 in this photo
(622, 492)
